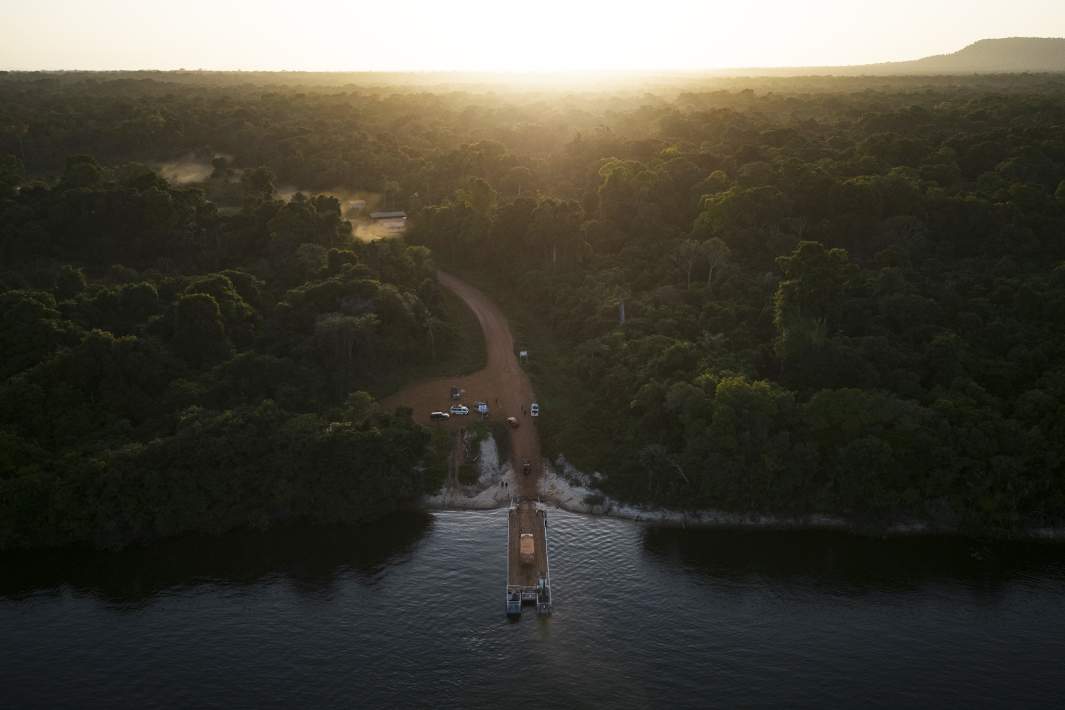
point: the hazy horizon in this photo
(468, 36)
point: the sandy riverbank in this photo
(566, 488)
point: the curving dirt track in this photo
(502, 384)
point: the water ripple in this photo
(410, 614)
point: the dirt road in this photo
(502, 384)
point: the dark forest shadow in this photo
(311, 558)
(855, 564)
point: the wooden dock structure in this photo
(528, 565)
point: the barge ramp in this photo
(528, 566)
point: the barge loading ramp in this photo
(528, 570)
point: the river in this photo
(409, 613)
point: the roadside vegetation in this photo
(455, 347)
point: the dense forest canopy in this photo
(840, 295)
(167, 368)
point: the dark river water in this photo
(409, 613)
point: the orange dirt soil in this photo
(502, 384)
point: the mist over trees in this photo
(841, 295)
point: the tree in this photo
(359, 407)
(82, 171)
(11, 173)
(738, 211)
(685, 255)
(220, 168)
(480, 196)
(661, 468)
(258, 185)
(518, 179)
(31, 328)
(69, 282)
(338, 337)
(199, 331)
(813, 278)
(555, 224)
(716, 253)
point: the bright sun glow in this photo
(547, 35)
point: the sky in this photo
(501, 35)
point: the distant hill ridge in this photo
(987, 56)
(1010, 54)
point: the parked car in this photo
(439, 415)
(534, 409)
(460, 409)
(513, 422)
